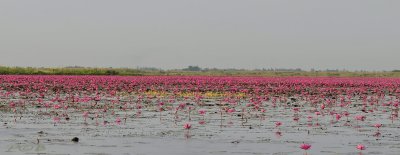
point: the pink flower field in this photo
(199, 115)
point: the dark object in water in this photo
(75, 139)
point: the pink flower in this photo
(338, 116)
(187, 126)
(305, 146)
(277, 124)
(57, 106)
(118, 120)
(378, 125)
(263, 110)
(56, 119)
(360, 117)
(361, 147)
(202, 122)
(202, 112)
(12, 105)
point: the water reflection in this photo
(26, 148)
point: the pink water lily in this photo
(361, 147)
(187, 126)
(305, 146)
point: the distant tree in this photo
(192, 68)
(112, 72)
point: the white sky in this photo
(334, 34)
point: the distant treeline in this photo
(190, 71)
(67, 71)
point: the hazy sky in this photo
(320, 34)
